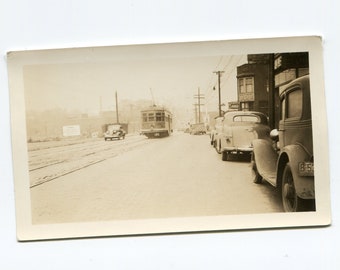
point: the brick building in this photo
(260, 80)
(253, 83)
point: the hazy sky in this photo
(174, 82)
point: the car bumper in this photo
(238, 150)
(113, 136)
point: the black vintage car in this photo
(114, 132)
(285, 159)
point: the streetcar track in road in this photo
(68, 172)
(61, 149)
(32, 147)
(54, 155)
(47, 165)
(78, 160)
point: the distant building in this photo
(261, 79)
(253, 84)
(286, 67)
(51, 124)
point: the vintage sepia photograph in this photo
(168, 138)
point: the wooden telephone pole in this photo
(219, 91)
(117, 115)
(199, 104)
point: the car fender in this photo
(265, 159)
(294, 154)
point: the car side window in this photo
(283, 108)
(294, 103)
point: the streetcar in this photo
(156, 122)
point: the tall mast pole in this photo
(117, 117)
(198, 104)
(219, 91)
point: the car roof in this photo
(303, 82)
(230, 115)
(233, 113)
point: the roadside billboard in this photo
(73, 130)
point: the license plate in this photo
(306, 168)
(157, 134)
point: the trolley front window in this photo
(151, 117)
(145, 117)
(160, 116)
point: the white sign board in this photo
(71, 130)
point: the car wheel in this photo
(225, 156)
(257, 178)
(290, 201)
(218, 147)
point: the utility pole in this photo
(199, 104)
(117, 117)
(100, 104)
(271, 94)
(195, 114)
(153, 98)
(219, 91)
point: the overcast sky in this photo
(173, 82)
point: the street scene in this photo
(169, 137)
(138, 178)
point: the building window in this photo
(247, 106)
(249, 85)
(246, 85)
(241, 86)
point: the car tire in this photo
(212, 141)
(257, 178)
(291, 202)
(218, 147)
(225, 156)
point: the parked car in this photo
(198, 129)
(285, 160)
(114, 131)
(217, 129)
(239, 129)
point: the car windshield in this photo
(197, 125)
(246, 118)
(114, 127)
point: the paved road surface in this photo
(177, 176)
